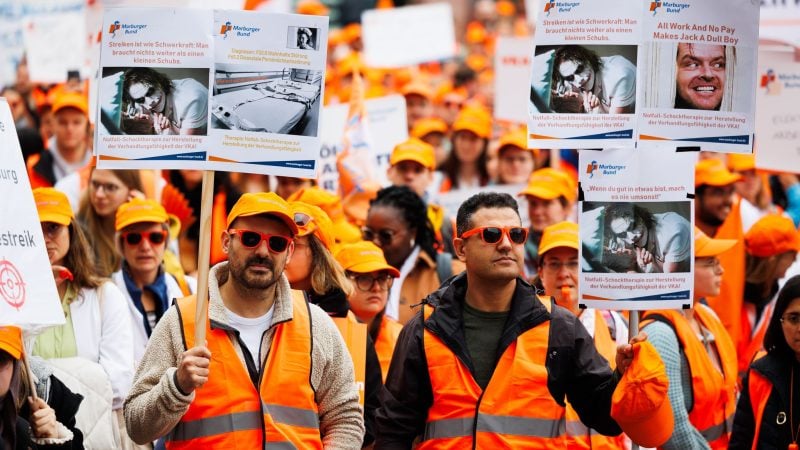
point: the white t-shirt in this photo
(190, 101)
(251, 330)
(618, 76)
(674, 236)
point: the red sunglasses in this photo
(252, 239)
(493, 235)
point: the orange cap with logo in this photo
(640, 404)
(312, 219)
(561, 234)
(548, 183)
(253, 204)
(713, 172)
(53, 206)
(425, 126)
(418, 87)
(771, 236)
(518, 138)
(474, 119)
(11, 340)
(140, 210)
(364, 257)
(705, 246)
(69, 99)
(416, 150)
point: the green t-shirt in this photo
(59, 341)
(482, 331)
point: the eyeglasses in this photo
(792, 319)
(493, 235)
(149, 93)
(252, 239)
(366, 282)
(134, 238)
(109, 188)
(578, 70)
(385, 237)
(556, 266)
(51, 229)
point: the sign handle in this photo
(28, 372)
(204, 254)
(633, 330)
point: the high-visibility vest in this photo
(756, 342)
(515, 411)
(228, 411)
(388, 333)
(713, 393)
(579, 436)
(760, 389)
(355, 337)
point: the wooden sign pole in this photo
(204, 254)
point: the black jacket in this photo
(65, 403)
(776, 369)
(574, 367)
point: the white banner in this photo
(13, 44)
(636, 231)
(780, 21)
(55, 44)
(409, 35)
(512, 66)
(778, 120)
(28, 295)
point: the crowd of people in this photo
(384, 319)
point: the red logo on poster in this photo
(12, 287)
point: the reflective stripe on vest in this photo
(228, 411)
(714, 393)
(463, 415)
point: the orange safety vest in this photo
(388, 333)
(229, 412)
(465, 416)
(579, 436)
(714, 393)
(760, 389)
(355, 337)
(756, 342)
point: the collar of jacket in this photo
(44, 166)
(282, 307)
(446, 321)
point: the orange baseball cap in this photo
(549, 184)
(312, 219)
(517, 138)
(738, 162)
(69, 99)
(418, 87)
(416, 150)
(11, 340)
(705, 246)
(53, 206)
(343, 230)
(140, 210)
(477, 62)
(562, 234)
(505, 8)
(253, 204)
(474, 119)
(772, 235)
(640, 404)
(425, 126)
(312, 8)
(364, 257)
(476, 33)
(713, 172)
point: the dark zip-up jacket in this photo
(574, 367)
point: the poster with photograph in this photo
(267, 92)
(636, 228)
(584, 77)
(153, 92)
(512, 66)
(777, 121)
(700, 57)
(386, 121)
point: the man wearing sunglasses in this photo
(498, 362)
(142, 238)
(280, 374)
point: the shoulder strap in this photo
(444, 266)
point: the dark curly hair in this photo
(414, 212)
(578, 54)
(144, 75)
(478, 201)
(774, 340)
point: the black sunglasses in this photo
(385, 237)
(149, 93)
(493, 235)
(252, 239)
(133, 238)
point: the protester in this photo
(699, 356)
(481, 341)
(397, 223)
(768, 388)
(752, 187)
(433, 131)
(307, 396)
(314, 273)
(418, 95)
(515, 162)
(466, 165)
(372, 278)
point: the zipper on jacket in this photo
(475, 420)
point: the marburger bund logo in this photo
(553, 5)
(667, 7)
(237, 30)
(604, 169)
(124, 28)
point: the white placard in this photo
(512, 66)
(780, 21)
(700, 57)
(55, 44)
(386, 120)
(777, 118)
(585, 75)
(13, 44)
(409, 35)
(28, 295)
(636, 229)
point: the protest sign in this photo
(780, 21)
(55, 44)
(13, 44)
(28, 296)
(700, 60)
(386, 119)
(512, 66)
(213, 90)
(777, 121)
(636, 229)
(409, 35)
(584, 75)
